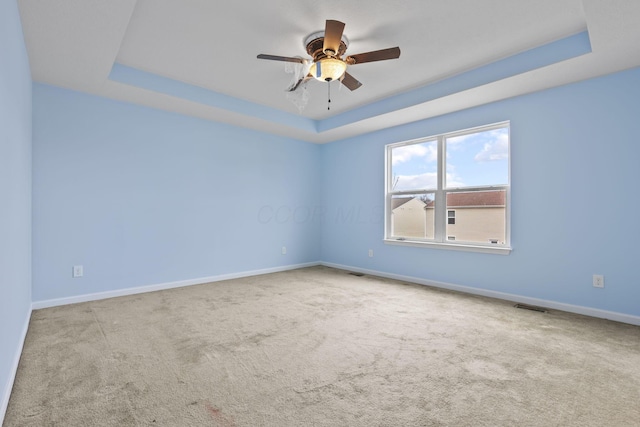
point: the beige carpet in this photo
(320, 347)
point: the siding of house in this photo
(410, 220)
(478, 224)
(480, 216)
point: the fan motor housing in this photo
(314, 44)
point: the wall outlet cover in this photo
(598, 281)
(78, 271)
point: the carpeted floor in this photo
(320, 347)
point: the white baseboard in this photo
(162, 286)
(587, 311)
(4, 397)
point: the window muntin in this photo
(462, 180)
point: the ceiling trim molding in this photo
(529, 60)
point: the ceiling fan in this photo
(326, 49)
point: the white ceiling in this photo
(213, 45)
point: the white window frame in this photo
(440, 239)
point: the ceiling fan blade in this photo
(299, 82)
(281, 58)
(376, 55)
(350, 82)
(332, 37)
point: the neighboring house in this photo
(410, 218)
(476, 216)
(471, 216)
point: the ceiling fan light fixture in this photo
(328, 69)
(327, 48)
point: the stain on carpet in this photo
(220, 419)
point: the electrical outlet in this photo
(370, 253)
(78, 271)
(284, 250)
(598, 281)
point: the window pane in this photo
(413, 216)
(451, 217)
(479, 216)
(414, 167)
(478, 159)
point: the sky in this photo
(476, 159)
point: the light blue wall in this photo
(142, 197)
(15, 192)
(575, 153)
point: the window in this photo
(454, 184)
(451, 217)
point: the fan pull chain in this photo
(329, 95)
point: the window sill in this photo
(500, 250)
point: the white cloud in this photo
(425, 181)
(408, 152)
(498, 149)
(416, 182)
(454, 180)
(456, 141)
